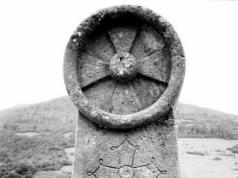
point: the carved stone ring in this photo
(124, 67)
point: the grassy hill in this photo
(193, 121)
(53, 125)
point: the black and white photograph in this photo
(119, 89)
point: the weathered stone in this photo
(124, 68)
(148, 151)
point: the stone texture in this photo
(123, 69)
(150, 50)
(146, 152)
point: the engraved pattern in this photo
(125, 170)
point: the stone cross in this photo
(123, 69)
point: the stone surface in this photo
(146, 152)
(124, 68)
(113, 54)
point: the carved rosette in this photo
(126, 167)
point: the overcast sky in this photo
(34, 34)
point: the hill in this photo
(61, 114)
(193, 121)
(33, 138)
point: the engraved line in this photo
(95, 82)
(139, 98)
(145, 165)
(133, 157)
(130, 143)
(149, 58)
(89, 173)
(112, 167)
(138, 30)
(93, 58)
(162, 173)
(151, 54)
(108, 37)
(119, 159)
(115, 147)
(152, 79)
(158, 170)
(110, 100)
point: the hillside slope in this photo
(34, 138)
(193, 121)
(61, 114)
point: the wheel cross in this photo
(127, 60)
(125, 63)
(124, 68)
(143, 61)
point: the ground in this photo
(37, 141)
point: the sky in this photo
(34, 34)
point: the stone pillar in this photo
(124, 68)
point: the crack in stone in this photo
(131, 168)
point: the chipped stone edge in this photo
(161, 107)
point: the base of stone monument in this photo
(149, 151)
